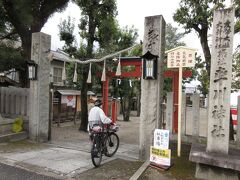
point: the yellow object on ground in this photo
(17, 125)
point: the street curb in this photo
(139, 172)
(13, 137)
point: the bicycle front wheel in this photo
(112, 144)
(96, 151)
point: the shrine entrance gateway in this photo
(151, 90)
(125, 61)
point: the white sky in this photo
(130, 12)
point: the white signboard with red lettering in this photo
(181, 56)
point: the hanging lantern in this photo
(149, 66)
(104, 72)
(89, 79)
(75, 74)
(32, 70)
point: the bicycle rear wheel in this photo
(112, 144)
(96, 151)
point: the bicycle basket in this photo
(97, 129)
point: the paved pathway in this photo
(67, 154)
(61, 159)
(13, 173)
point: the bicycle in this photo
(104, 141)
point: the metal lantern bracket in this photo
(149, 65)
(30, 62)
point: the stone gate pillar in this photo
(220, 81)
(151, 97)
(39, 89)
(217, 161)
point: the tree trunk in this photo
(231, 130)
(122, 106)
(128, 108)
(138, 105)
(26, 45)
(206, 50)
(84, 108)
(91, 32)
(26, 37)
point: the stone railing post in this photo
(195, 115)
(169, 112)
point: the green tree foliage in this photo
(97, 22)
(25, 18)
(10, 57)
(237, 14)
(66, 29)
(129, 87)
(198, 16)
(173, 40)
(173, 37)
(126, 94)
(29, 16)
(236, 70)
(202, 75)
(6, 29)
(122, 38)
(126, 37)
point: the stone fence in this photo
(14, 102)
(194, 118)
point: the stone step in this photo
(6, 126)
(14, 136)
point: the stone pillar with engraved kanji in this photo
(220, 82)
(217, 160)
(152, 90)
(39, 89)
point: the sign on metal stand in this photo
(178, 58)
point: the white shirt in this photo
(97, 114)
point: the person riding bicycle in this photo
(102, 140)
(97, 117)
